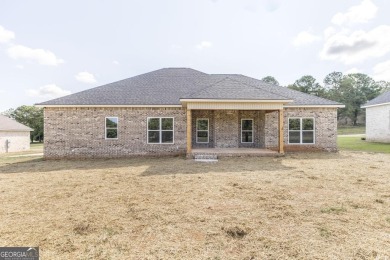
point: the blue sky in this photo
(53, 48)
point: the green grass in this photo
(354, 143)
(351, 130)
(36, 146)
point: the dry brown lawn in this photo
(302, 206)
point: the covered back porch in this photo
(235, 128)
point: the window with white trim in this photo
(301, 131)
(202, 130)
(160, 130)
(246, 130)
(111, 128)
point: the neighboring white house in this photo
(14, 137)
(378, 119)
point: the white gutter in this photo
(108, 106)
(238, 100)
(315, 106)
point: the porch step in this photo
(206, 157)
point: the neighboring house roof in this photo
(379, 100)
(8, 124)
(167, 86)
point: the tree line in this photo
(352, 90)
(30, 116)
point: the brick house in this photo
(184, 111)
(14, 137)
(378, 119)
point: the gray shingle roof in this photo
(168, 86)
(8, 124)
(381, 99)
(228, 88)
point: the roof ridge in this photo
(262, 88)
(181, 68)
(266, 84)
(118, 81)
(244, 85)
(98, 87)
(208, 86)
(289, 89)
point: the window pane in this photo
(247, 124)
(167, 123)
(167, 137)
(202, 137)
(246, 137)
(294, 124)
(294, 137)
(154, 124)
(153, 136)
(307, 124)
(111, 133)
(308, 137)
(203, 124)
(111, 122)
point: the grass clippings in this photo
(336, 210)
(301, 206)
(235, 232)
(83, 229)
(324, 232)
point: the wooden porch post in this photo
(189, 131)
(281, 132)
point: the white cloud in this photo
(329, 31)
(382, 71)
(43, 57)
(352, 71)
(5, 35)
(115, 62)
(204, 45)
(176, 46)
(305, 38)
(19, 67)
(86, 77)
(2, 91)
(356, 46)
(48, 91)
(361, 13)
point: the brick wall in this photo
(19, 141)
(325, 129)
(80, 132)
(225, 128)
